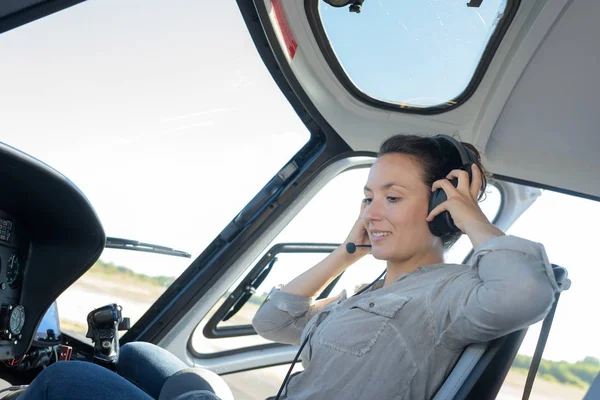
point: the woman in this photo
(400, 339)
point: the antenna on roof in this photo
(474, 3)
(355, 5)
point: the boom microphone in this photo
(351, 247)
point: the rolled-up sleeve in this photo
(283, 316)
(512, 287)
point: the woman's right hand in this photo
(313, 281)
(358, 235)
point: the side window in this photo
(327, 218)
(571, 360)
(324, 221)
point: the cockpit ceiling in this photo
(549, 129)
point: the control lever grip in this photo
(104, 324)
(125, 325)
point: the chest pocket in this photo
(356, 330)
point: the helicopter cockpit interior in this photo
(290, 100)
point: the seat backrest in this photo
(478, 358)
(463, 368)
(476, 363)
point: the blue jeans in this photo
(142, 371)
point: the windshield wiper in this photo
(128, 244)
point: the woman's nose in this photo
(374, 211)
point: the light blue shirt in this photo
(401, 341)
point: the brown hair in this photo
(437, 157)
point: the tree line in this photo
(111, 268)
(580, 374)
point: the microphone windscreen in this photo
(350, 247)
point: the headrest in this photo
(561, 276)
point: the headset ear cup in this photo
(442, 224)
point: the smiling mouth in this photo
(379, 235)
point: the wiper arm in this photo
(128, 244)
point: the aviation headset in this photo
(443, 224)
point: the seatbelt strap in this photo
(319, 320)
(539, 348)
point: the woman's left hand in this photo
(463, 206)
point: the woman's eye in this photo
(367, 200)
(393, 199)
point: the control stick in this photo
(104, 324)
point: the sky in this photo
(417, 52)
(166, 118)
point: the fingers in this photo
(477, 181)
(445, 185)
(437, 211)
(463, 179)
(363, 207)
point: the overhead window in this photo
(412, 54)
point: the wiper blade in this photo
(128, 244)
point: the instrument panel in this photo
(46, 224)
(13, 257)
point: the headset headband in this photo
(466, 156)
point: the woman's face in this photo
(396, 205)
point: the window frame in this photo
(311, 8)
(213, 331)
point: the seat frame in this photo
(480, 371)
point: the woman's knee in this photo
(139, 351)
(136, 349)
(70, 370)
(148, 366)
(144, 355)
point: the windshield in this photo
(166, 118)
(412, 53)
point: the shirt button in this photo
(371, 305)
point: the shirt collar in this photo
(423, 269)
